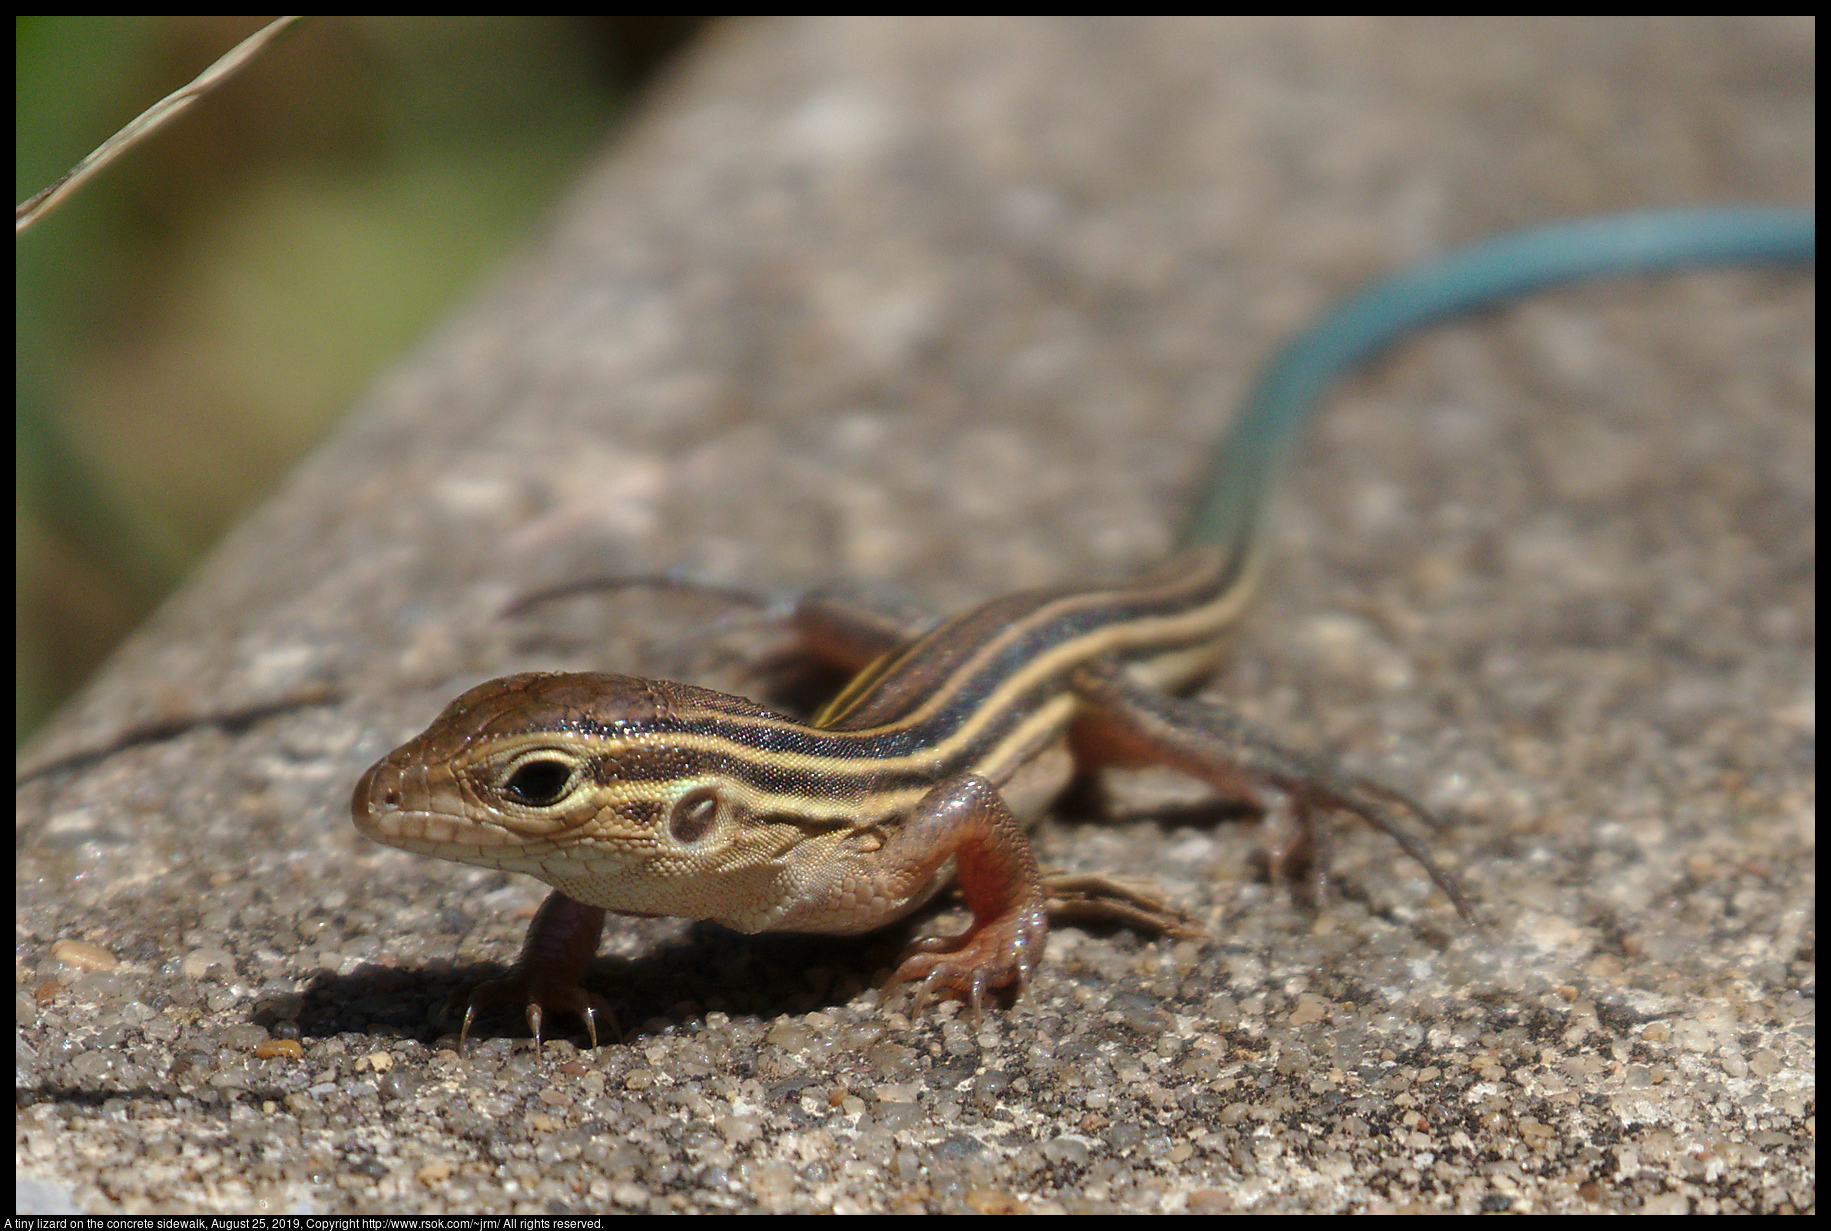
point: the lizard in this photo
(648, 797)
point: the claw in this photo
(537, 996)
(1000, 955)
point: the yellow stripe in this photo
(1174, 612)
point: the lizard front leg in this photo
(561, 941)
(965, 819)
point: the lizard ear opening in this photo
(693, 816)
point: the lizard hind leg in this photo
(1081, 898)
(1126, 724)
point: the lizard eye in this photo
(538, 784)
(693, 815)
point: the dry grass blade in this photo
(146, 123)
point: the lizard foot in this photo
(1001, 952)
(1076, 898)
(538, 994)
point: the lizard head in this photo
(636, 795)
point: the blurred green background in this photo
(200, 313)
